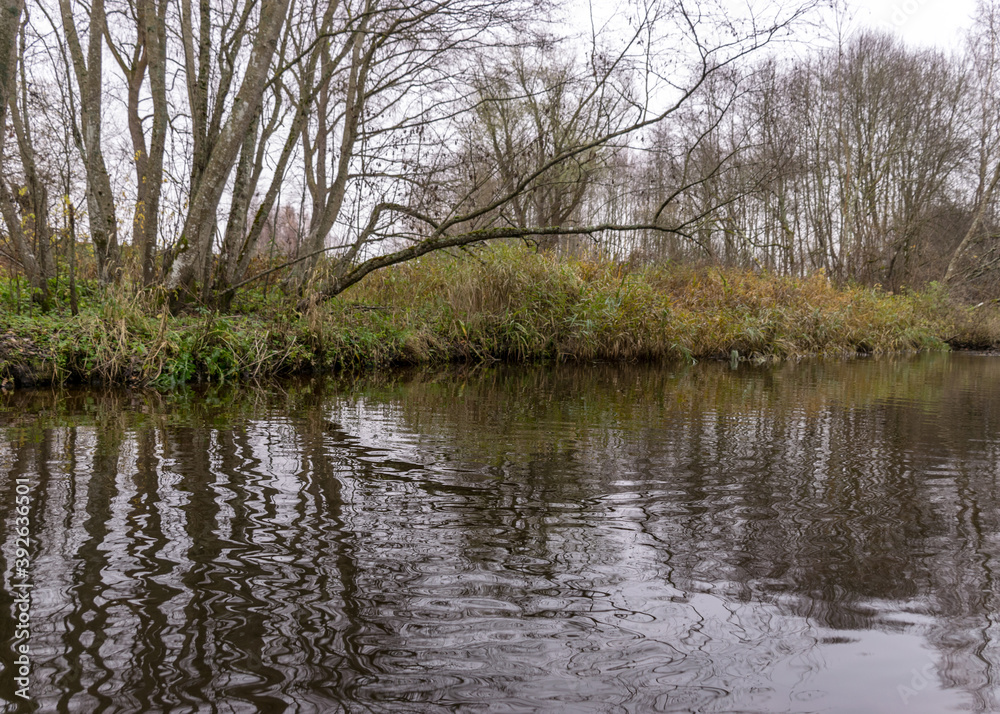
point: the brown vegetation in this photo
(505, 303)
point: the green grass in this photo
(503, 303)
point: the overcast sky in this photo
(937, 22)
(920, 22)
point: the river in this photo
(812, 536)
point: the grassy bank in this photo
(504, 303)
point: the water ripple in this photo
(611, 540)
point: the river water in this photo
(816, 536)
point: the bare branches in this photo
(394, 127)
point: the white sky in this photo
(928, 22)
(940, 23)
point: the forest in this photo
(173, 143)
(190, 152)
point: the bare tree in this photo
(711, 35)
(984, 58)
(219, 134)
(10, 25)
(25, 204)
(89, 73)
(381, 92)
(846, 161)
(146, 58)
(531, 104)
(408, 126)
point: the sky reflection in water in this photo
(813, 536)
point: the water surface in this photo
(817, 536)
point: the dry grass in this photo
(503, 303)
(511, 303)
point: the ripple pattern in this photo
(787, 539)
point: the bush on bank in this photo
(502, 303)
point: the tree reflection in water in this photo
(601, 538)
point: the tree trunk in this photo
(100, 199)
(195, 244)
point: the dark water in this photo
(820, 536)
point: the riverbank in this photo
(504, 303)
